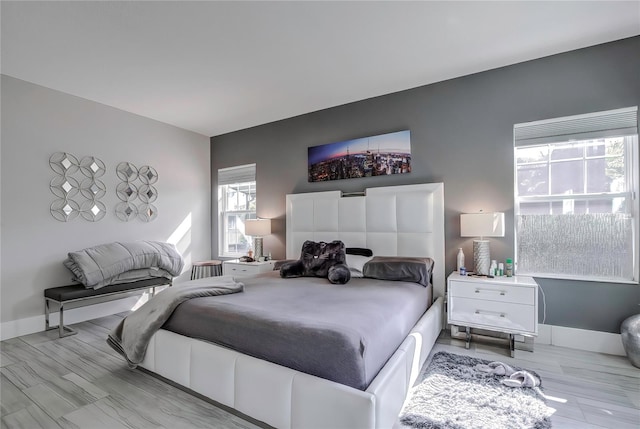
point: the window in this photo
(576, 196)
(236, 203)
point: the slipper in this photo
(496, 368)
(521, 379)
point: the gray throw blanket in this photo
(94, 265)
(132, 335)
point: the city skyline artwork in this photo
(379, 155)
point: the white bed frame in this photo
(397, 220)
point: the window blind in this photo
(610, 123)
(239, 174)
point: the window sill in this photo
(578, 278)
(232, 255)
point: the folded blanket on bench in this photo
(94, 266)
(132, 335)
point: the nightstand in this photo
(502, 304)
(244, 269)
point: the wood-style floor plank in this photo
(91, 416)
(76, 389)
(80, 382)
(49, 400)
(20, 351)
(12, 399)
(86, 361)
(27, 374)
(31, 417)
(5, 359)
(126, 413)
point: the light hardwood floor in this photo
(587, 390)
(80, 382)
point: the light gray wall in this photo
(462, 135)
(37, 122)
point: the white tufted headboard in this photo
(391, 221)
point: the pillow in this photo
(400, 268)
(356, 264)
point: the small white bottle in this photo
(493, 268)
(460, 259)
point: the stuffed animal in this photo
(319, 260)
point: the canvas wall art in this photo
(379, 155)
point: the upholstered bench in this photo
(77, 295)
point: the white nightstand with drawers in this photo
(503, 304)
(243, 269)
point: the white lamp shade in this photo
(482, 225)
(257, 227)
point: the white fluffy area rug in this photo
(455, 395)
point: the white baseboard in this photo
(30, 325)
(580, 339)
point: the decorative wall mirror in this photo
(136, 185)
(77, 187)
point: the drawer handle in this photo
(491, 312)
(501, 292)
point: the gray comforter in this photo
(94, 266)
(131, 337)
(343, 333)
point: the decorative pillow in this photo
(400, 268)
(356, 264)
(320, 259)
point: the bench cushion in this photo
(76, 291)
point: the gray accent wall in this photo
(37, 122)
(462, 135)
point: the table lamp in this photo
(481, 225)
(257, 228)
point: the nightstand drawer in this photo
(247, 270)
(505, 316)
(493, 292)
(242, 269)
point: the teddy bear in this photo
(319, 259)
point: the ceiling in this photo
(216, 67)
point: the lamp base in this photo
(481, 257)
(257, 251)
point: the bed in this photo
(391, 221)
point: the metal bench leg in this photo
(46, 314)
(512, 344)
(63, 331)
(467, 337)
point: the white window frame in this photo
(582, 128)
(243, 175)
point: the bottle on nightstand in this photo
(493, 269)
(460, 259)
(509, 267)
